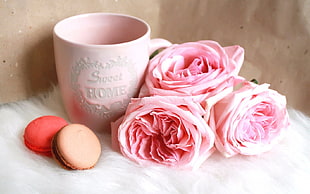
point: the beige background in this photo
(274, 33)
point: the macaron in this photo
(76, 147)
(39, 133)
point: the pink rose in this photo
(249, 121)
(165, 130)
(201, 69)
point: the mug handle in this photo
(158, 43)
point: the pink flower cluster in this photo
(188, 108)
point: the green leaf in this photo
(254, 81)
(154, 54)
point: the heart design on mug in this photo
(104, 89)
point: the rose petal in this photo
(193, 69)
(165, 130)
(249, 121)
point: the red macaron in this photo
(39, 133)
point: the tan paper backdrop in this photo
(274, 33)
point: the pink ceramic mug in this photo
(100, 61)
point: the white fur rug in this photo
(285, 169)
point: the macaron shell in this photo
(57, 156)
(78, 146)
(38, 150)
(39, 132)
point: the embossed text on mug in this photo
(107, 84)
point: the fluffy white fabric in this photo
(285, 169)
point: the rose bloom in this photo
(249, 121)
(201, 69)
(165, 130)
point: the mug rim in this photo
(56, 33)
